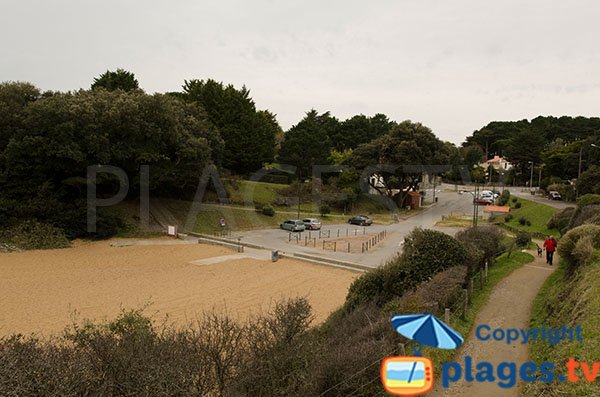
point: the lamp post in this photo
(531, 178)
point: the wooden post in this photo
(335, 246)
(319, 233)
(348, 246)
(346, 232)
(323, 244)
(309, 235)
(355, 232)
(486, 271)
(338, 232)
(314, 242)
(447, 315)
(465, 303)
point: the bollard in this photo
(314, 242)
(338, 232)
(319, 233)
(309, 235)
(289, 237)
(323, 244)
(364, 230)
(447, 315)
(348, 246)
(335, 246)
(346, 232)
(355, 232)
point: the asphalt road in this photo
(525, 194)
(448, 202)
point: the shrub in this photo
(518, 204)
(523, 239)
(568, 250)
(33, 235)
(324, 210)
(582, 215)
(515, 199)
(425, 253)
(560, 220)
(258, 207)
(505, 194)
(268, 210)
(508, 217)
(588, 199)
(528, 222)
(522, 221)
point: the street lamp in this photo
(531, 178)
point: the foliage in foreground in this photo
(32, 235)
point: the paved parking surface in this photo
(276, 239)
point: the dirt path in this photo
(509, 306)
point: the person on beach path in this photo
(550, 246)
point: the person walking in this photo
(550, 246)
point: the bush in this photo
(268, 210)
(528, 222)
(571, 253)
(324, 210)
(522, 221)
(523, 239)
(515, 199)
(30, 235)
(584, 215)
(425, 253)
(518, 204)
(508, 217)
(560, 220)
(258, 207)
(588, 199)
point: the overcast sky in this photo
(452, 65)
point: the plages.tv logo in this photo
(413, 375)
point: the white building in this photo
(499, 164)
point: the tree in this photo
(14, 98)
(358, 130)
(589, 181)
(249, 135)
(307, 143)
(118, 80)
(396, 161)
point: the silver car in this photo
(293, 225)
(312, 223)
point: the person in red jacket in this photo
(550, 246)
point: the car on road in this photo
(361, 220)
(490, 193)
(312, 223)
(293, 225)
(554, 195)
(483, 200)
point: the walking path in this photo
(509, 306)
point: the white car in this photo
(489, 193)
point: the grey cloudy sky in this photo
(452, 65)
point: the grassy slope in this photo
(537, 213)
(568, 302)
(502, 268)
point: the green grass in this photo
(503, 267)
(568, 302)
(248, 192)
(538, 214)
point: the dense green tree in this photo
(358, 130)
(117, 80)
(307, 143)
(589, 182)
(43, 167)
(14, 98)
(399, 158)
(249, 135)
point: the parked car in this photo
(312, 223)
(483, 200)
(293, 225)
(491, 193)
(554, 195)
(361, 220)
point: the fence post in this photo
(338, 232)
(335, 246)
(355, 232)
(319, 233)
(465, 303)
(364, 230)
(289, 237)
(346, 232)
(309, 235)
(471, 285)
(486, 271)
(348, 246)
(447, 315)
(314, 242)
(323, 244)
